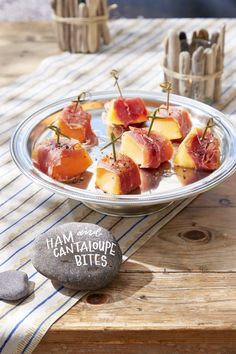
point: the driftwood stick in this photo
(183, 42)
(203, 34)
(60, 26)
(198, 68)
(66, 13)
(210, 60)
(185, 69)
(173, 57)
(83, 13)
(72, 5)
(104, 27)
(219, 67)
(222, 40)
(78, 30)
(214, 37)
(193, 44)
(92, 27)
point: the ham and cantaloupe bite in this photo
(174, 123)
(199, 150)
(125, 111)
(117, 175)
(64, 161)
(75, 123)
(147, 150)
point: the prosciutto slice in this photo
(148, 151)
(64, 161)
(180, 115)
(117, 177)
(204, 152)
(126, 111)
(77, 124)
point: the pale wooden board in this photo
(23, 46)
(177, 290)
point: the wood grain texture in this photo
(23, 47)
(177, 294)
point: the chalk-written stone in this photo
(77, 255)
(14, 285)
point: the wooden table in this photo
(177, 293)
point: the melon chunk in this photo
(64, 162)
(117, 177)
(75, 123)
(174, 124)
(169, 127)
(125, 111)
(198, 152)
(147, 151)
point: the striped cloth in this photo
(28, 210)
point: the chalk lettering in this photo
(49, 243)
(55, 252)
(69, 238)
(104, 261)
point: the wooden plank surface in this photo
(178, 293)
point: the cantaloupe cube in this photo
(198, 152)
(182, 157)
(147, 151)
(169, 127)
(64, 162)
(125, 111)
(117, 177)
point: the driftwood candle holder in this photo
(195, 67)
(81, 26)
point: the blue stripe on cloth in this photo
(23, 217)
(20, 205)
(34, 309)
(25, 299)
(42, 323)
(30, 227)
(23, 264)
(15, 194)
(38, 328)
(13, 180)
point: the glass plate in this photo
(159, 187)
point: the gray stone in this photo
(77, 255)
(14, 285)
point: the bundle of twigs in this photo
(195, 67)
(81, 26)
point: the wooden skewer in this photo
(104, 27)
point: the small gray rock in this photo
(77, 255)
(14, 285)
